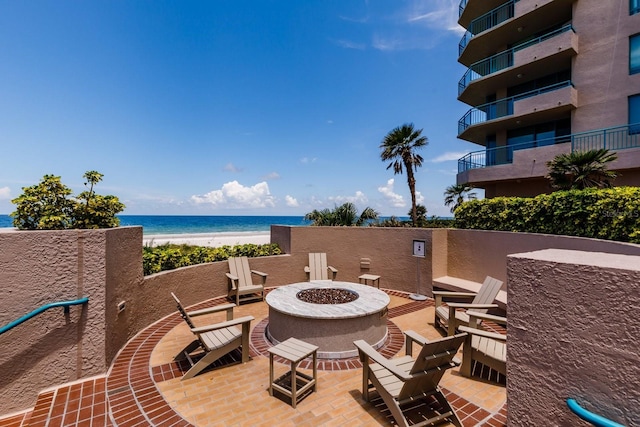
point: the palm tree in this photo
(455, 195)
(399, 146)
(581, 169)
(421, 215)
(345, 215)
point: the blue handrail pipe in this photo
(595, 419)
(64, 304)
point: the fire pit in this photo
(328, 314)
(327, 296)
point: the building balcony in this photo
(537, 106)
(468, 10)
(529, 160)
(509, 24)
(552, 51)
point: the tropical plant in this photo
(47, 206)
(421, 215)
(345, 215)
(581, 169)
(455, 195)
(170, 256)
(399, 146)
(609, 213)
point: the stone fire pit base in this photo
(331, 327)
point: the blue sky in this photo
(229, 107)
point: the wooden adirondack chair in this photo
(213, 341)
(241, 281)
(450, 317)
(318, 268)
(405, 383)
(487, 348)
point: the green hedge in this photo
(169, 256)
(611, 214)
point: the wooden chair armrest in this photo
(259, 273)
(333, 270)
(307, 269)
(410, 338)
(221, 325)
(498, 319)
(483, 333)
(454, 294)
(364, 349)
(210, 310)
(469, 305)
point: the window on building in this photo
(634, 54)
(634, 7)
(634, 114)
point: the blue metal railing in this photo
(503, 59)
(64, 304)
(634, 7)
(595, 419)
(615, 138)
(486, 21)
(502, 107)
(462, 5)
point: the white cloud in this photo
(5, 193)
(271, 176)
(230, 167)
(291, 201)
(435, 14)
(357, 199)
(235, 195)
(306, 160)
(419, 198)
(448, 156)
(396, 200)
(348, 44)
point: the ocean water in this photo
(191, 224)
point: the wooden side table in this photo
(294, 351)
(375, 280)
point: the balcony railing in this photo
(503, 59)
(616, 138)
(486, 21)
(462, 5)
(502, 107)
(634, 7)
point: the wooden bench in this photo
(451, 283)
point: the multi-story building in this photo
(547, 77)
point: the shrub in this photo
(611, 214)
(47, 206)
(170, 256)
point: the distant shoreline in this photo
(213, 240)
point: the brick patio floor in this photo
(143, 386)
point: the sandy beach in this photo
(209, 239)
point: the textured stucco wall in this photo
(474, 254)
(573, 333)
(41, 267)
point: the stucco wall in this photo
(41, 267)
(573, 334)
(474, 254)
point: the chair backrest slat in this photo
(183, 312)
(434, 359)
(239, 267)
(487, 293)
(318, 266)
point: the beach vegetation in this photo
(581, 169)
(343, 215)
(609, 213)
(48, 205)
(399, 147)
(171, 256)
(455, 195)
